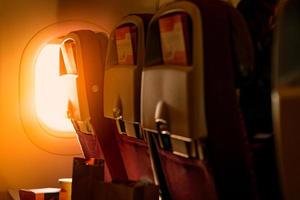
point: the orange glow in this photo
(51, 90)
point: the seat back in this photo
(122, 85)
(166, 101)
(123, 72)
(255, 95)
(286, 98)
(82, 61)
(193, 105)
(256, 92)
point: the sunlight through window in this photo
(51, 90)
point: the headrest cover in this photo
(123, 69)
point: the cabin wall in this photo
(22, 164)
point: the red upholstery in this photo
(90, 146)
(228, 149)
(106, 138)
(136, 157)
(187, 178)
(106, 130)
(91, 149)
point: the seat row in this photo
(158, 99)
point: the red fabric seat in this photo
(227, 152)
(135, 154)
(228, 149)
(187, 178)
(134, 151)
(96, 140)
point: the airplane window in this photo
(51, 90)
(44, 93)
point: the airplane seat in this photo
(89, 145)
(190, 109)
(124, 64)
(82, 56)
(187, 178)
(255, 94)
(286, 97)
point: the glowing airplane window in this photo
(51, 90)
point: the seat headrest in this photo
(123, 69)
